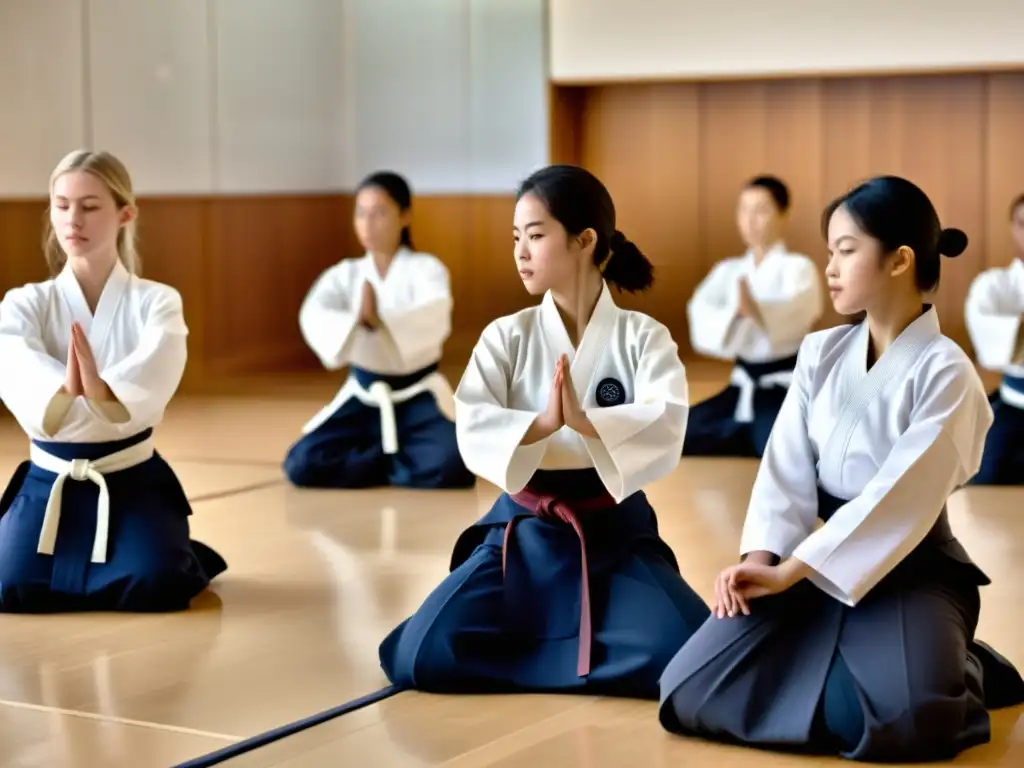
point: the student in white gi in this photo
(386, 316)
(752, 310)
(571, 407)
(89, 360)
(857, 637)
(995, 307)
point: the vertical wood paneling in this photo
(956, 136)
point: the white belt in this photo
(1011, 396)
(84, 469)
(381, 396)
(740, 378)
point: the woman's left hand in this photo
(93, 387)
(574, 416)
(750, 580)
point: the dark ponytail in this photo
(627, 267)
(397, 188)
(577, 200)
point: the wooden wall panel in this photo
(957, 136)
(244, 264)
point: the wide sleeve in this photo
(145, 380)
(939, 451)
(423, 323)
(784, 500)
(30, 378)
(489, 433)
(790, 313)
(993, 325)
(329, 316)
(712, 313)
(642, 441)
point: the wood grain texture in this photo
(675, 156)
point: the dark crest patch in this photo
(610, 392)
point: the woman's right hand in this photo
(73, 375)
(552, 419)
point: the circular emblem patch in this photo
(609, 393)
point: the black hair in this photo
(397, 188)
(898, 213)
(774, 187)
(1018, 201)
(577, 200)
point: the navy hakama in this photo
(102, 527)
(738, 420)
(1003, 460)
(384, 439)
(899, 677)
(556, 589)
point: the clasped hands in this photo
(563, 407)
(368, 317)
(755, 577)
(83, 376)
(747, 304)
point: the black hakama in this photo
(556, 589)
(713, 428)
(347, 450)
(1003, 460)
(149, 563)
(897, 678)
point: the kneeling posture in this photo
(386, 316)
(994, 309)
(857, 637)
(96, 520)
(571, 407)
(753, 310)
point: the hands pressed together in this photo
(755, 577)
(563, 408)
(748, 305)
(83, 377)
(368, 317)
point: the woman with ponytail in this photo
(386, 316)
(89, 359)
(571, 408)
(856, 636)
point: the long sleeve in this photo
(30, 378)
(146, 379)
(489, 433)
(993, 325)
(711, 313)
(790, 313)
(784, 500)
(425, 322)
(642, 441)
(939, 451)
(329, 317)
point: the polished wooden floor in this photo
(317, 578)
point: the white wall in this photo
(593, 40)
(275, 96)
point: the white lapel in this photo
(374, 278)
(95, 326)
(74, 298)
(106, 308)
(582, 361)
(860, 386)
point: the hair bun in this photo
(952, 242)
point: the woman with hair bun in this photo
(856, 637)
(571, 407)
(386, 316)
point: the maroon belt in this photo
(553, 508)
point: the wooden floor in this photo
(316, 580)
